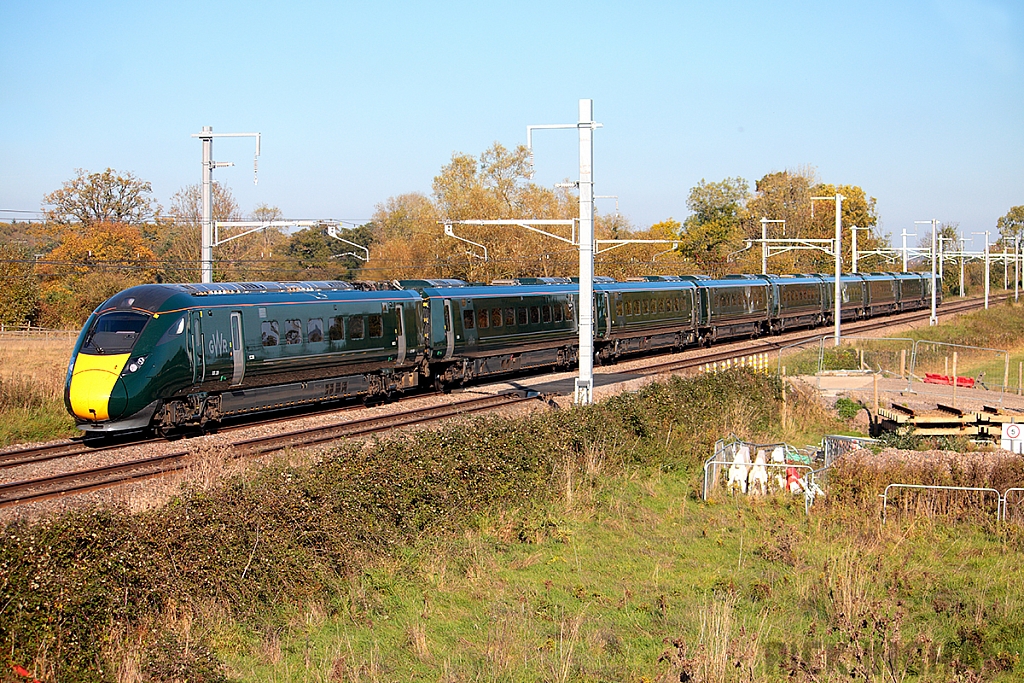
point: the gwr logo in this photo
(218, 345)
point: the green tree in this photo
(1012, 224)
(714, 229)
(107, 197)
(318, 256)
(18, 283)
(950, 232)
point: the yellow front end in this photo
(92, 382)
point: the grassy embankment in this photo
(32, 373)
(563, 546)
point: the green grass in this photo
(564, 546)
(21, 425)
(30, 412)
(637, 581)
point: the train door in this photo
(237, 349)
(400, 331)
(606, 310)
(449, 330)
(196, 354)
(214, 351)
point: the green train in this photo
(171, 356)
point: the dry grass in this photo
(32, 371)
(41, 361)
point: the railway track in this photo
(21, 492)
(83, 481)
(78, 446)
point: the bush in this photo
(273, 538)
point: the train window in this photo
(510, 317)
(337, 329)
(558, 312)
(482, 318)
(315, 330)
(355, 327)
(618, 308)
(292, 331)
(495, 317)
(521, 316)
(568, 311)
(114, 332)
(376, 326)
(269, 333)
(467, 319)
(661, 305)
(646, 306)
(675, 304)
(545, 313)
(534, 315)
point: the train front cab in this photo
(124, 360)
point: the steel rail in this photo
(56, 486)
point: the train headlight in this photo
(134, 366)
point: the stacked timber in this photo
(946, 420)
(991, 421)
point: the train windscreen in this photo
(114, 332)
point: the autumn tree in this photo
(316, 255)
(107, 197)
(858, 211)
(407, 240)
(89, 266)
(786, 196)
(714, 229)
(18, 283)
(409, 235)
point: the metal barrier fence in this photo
(1006, 500)
(933, 357)
(1001, 498)
(835, 446)
(885, 356)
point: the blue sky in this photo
(919, 102)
